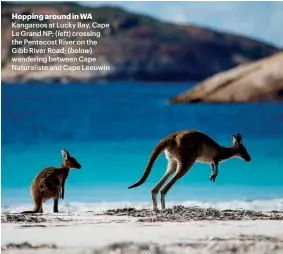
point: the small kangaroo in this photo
(50, 183)
(182, 150)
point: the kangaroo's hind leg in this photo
(182, 168)
(55, 205)
(37, 199)
(171, 168)
(40, 209)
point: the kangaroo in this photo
(182, 150)
(50, 183)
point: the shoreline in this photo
(129, 230)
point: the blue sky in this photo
(259, 20)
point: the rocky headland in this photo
(258, 81)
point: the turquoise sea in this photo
(111, 128)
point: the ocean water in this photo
(111, 128)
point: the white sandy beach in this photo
(89, 232)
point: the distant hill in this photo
(137, 47)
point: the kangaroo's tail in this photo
(156, 152)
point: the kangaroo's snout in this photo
(79, 166)
(248, 158)
(245, 156)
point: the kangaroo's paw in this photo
(212, 178)
(156, 210)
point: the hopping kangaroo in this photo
(182, 150)
(50, 183)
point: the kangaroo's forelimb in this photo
(214, 171)
(62, 195)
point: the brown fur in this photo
(50, 183)
(182, 150)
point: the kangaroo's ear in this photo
(65, 154)
(234, 139)
(239, 138)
